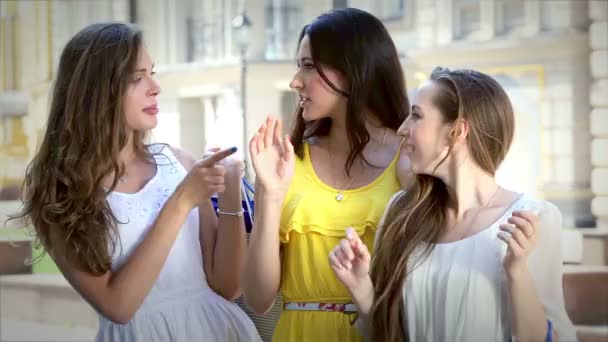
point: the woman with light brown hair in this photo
(458, 257)
(130, 225)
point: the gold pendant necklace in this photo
(340, 195)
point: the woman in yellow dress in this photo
(340, 172)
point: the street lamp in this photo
(241, 25)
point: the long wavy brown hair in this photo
(64, 197)
(357, 45)
(416, 219)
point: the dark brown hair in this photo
(64, 198)
(357, 45)
(417, 217)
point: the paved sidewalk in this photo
(24, 331)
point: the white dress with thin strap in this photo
(181, 306)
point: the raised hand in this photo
(521, 236)
(272, 157)
(350, 261)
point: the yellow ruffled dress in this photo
(312, 223)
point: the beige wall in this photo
(38, 31)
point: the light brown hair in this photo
(417, 218)
(64, 197)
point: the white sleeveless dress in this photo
(181, 306)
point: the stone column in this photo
(598, 42)
(193, 137)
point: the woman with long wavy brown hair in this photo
(131, 225)
(458, 257)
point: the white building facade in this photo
(551, 56)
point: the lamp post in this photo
(241, 25)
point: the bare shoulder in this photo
(185, 158)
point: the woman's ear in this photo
(460, 130)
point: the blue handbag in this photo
(248, 205)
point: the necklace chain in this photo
(340, 195)
(480, 209)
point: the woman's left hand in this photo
(521, 235)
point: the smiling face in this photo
(317, 99)
(458, 115)
(140, 103)
(426, 131)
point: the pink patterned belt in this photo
(335, 307)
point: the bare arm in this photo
(350, 261)
(222, 238)
(262, 276)
(118, 294)
(274, 162)
(529, 319)
(228, 244)
(533, 269)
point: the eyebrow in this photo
(304, 59)
(144, 69)
(416, 107)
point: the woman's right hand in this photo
(272, 157)
(204, 179)
(350, 261)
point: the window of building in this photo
(510, 15)
(340, 3)
(209, 30)
(467, 18)
(282, 28)
(383, 9)
(390, 9)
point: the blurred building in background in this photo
(551, 56)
